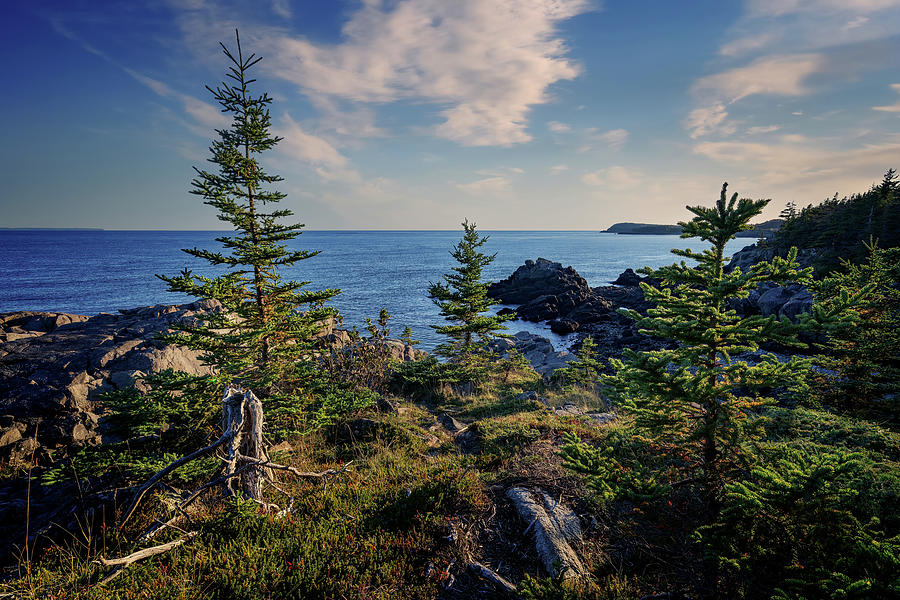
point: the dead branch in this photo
(492, 577)
(162, 473)
(121, 563)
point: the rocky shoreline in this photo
(54, 366)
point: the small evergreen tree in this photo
(264, 334)
(407, 337)
(789, 212)
(810, 522)
(585, 369)
(865, 354)
(463, 300)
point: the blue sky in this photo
(415, 114)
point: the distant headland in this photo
(764, 229)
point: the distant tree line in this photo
(841, 228)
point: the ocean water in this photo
(88, 272)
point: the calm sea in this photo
(89, 272)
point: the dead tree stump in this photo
(245, 450)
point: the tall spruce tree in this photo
(463, 300)
(695, 396)
(263, 337)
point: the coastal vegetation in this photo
(716, 454)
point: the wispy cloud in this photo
(489, 185)
(558, 169)
(616, 178)
(855, 22)
(742, 46)
(784, 7)
(557, 127)
(282, 8)
(891, 107)
(762, 129)
(306, 147)
(796, 162)
(780, 75)
(708, 119)
(770, 75)
(613, 139)
(202, 112)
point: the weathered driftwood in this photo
(555, 527)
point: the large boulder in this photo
(749, 256)
(21, 325)
(50, 379)
(542, 278)
(784, 301)
(628, 278)
(592, 310)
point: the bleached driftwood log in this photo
(121, 563)
(555, 528)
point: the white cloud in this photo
(783, 75)
(202, 112)
(775, 8)
(282, 8)
(558, 169)
(855, 22)
(490, 185)
(308, 148)
(747, 44)
(709, 119)
(351, 125)
(615, 138)
(762, 129)
(557, 127)
(779, 75)
(489, 61)
(892, 107)
(616, 178)
(796, 162)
